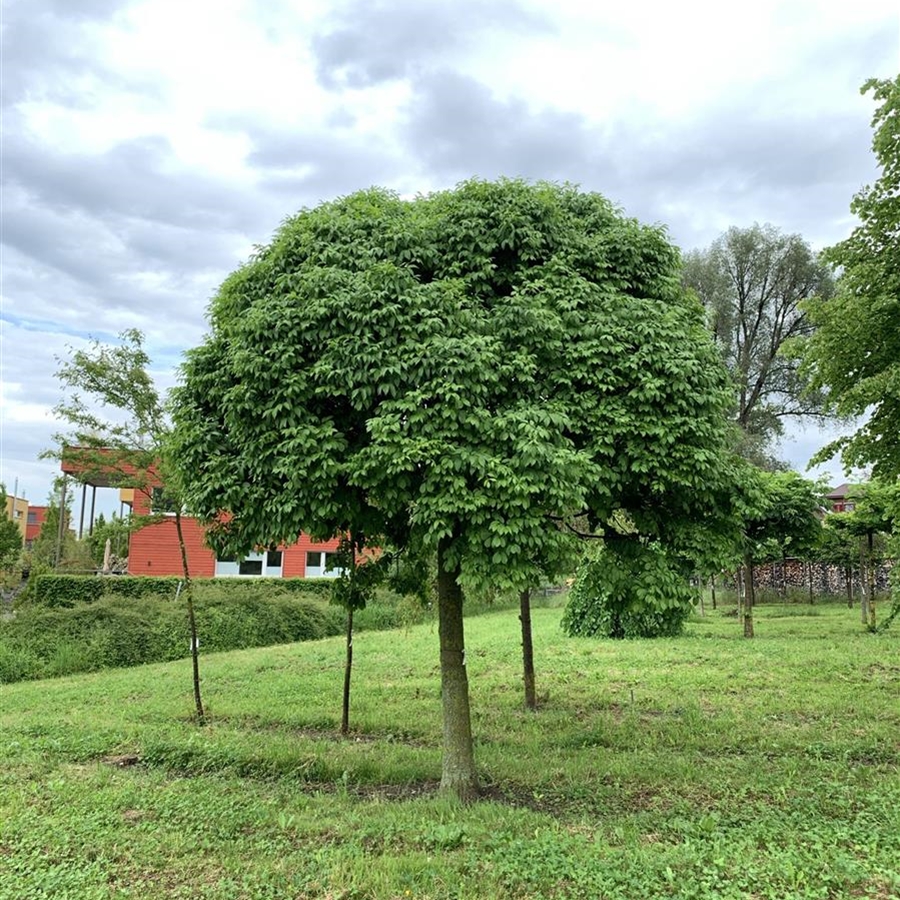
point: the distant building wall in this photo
(17, 510)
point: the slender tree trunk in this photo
(863, 584)
(192, 620)
(749, 596)
(527, 649)
(848, 577)
(809, 572)
(458, 774)
(348, 668)
(871, 562)
(783, 577)
(712, 588)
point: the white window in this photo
(320, 564)
(268, 564)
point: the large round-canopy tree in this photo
(465, 372)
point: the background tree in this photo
(870, 522)
(117, 531)
(56, 547)
(839, 548)
(470, 371)
(854, 352)
(785, 521)
(354, 590)
(119, 432)
(752, 283)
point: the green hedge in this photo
(113, 631)
(70, 590)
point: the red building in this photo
(155, 550)
(34, 522)
(842, 497)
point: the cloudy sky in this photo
(148, 145)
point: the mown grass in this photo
(705, 766)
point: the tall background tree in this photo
(470, 372)
(752, 283)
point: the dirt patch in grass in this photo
(121, 760)
(325, 733)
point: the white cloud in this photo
(149, 145)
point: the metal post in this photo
(81, 520)
(62, 522)
(93, 501)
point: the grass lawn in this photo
(705, 766)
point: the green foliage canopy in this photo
(786, 518)
(477, 366)
(855, 351)
(628, 589)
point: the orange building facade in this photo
(155, 549)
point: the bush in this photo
(632, 591)
(114, 631)
(68, 590)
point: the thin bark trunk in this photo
(749, 597)
(871, 562)
(809, 572)
(348, 665)
(348, 668)
(783, 577)
(527, 649)
(848, 577)
(712, 587)
(192, 621)
(863, 585)
(458, 775)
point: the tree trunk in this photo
(848, 577)
(527, 649)
(458, 774)
(749, 597)
(192, 621)
(783, 577)
(712, 587)
(863, 584)
(809, 572)
(871, 561)
(348, 668)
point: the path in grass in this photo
(704, 766)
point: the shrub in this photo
(67, 590)
(115, 631)
(632, 591)
(54, 590)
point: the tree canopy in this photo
(854, 352)
(752, 283)
(465, 372)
